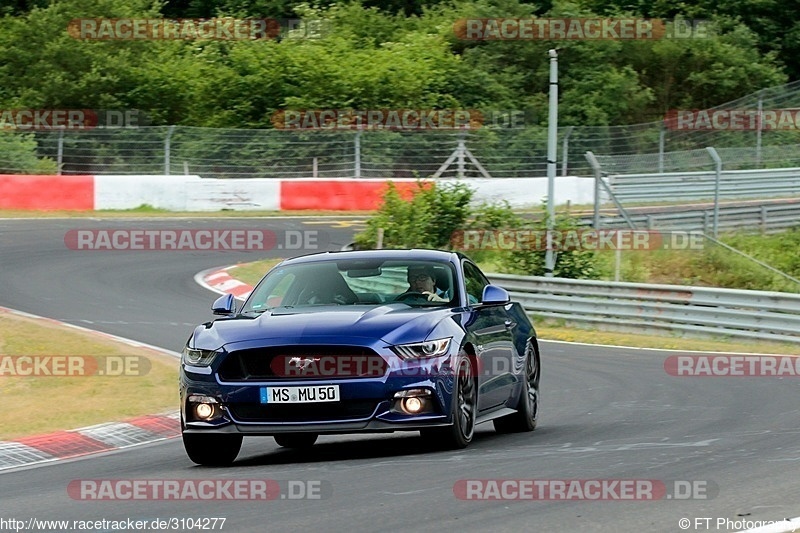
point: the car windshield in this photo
(355, 282)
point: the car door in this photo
(490, 329)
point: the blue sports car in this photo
(360, 341)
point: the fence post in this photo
(565, 151)
(661, 138)
(718, 164)
(357, 148)
(167, 149)
(462, 147)
(60, 155)
(759, 127)
(598, 175)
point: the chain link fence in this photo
(497, 152)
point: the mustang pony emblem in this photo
(302, 362)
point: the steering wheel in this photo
(410, 294)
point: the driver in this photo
(421, 278)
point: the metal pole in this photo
(167, 149)
(565, 151)
(462, 148)
(60, 156)
(357, 154)
(718, 163)
(759, 127)
(661, 137)
(552, 149)
(598, 175)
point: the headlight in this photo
(417, 350)
(198, 357)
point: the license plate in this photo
(307, 394)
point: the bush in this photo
(574, 264)
(18, 155)
(435, 212)
(426, 220)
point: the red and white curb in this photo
(220, 281)
(28, 451)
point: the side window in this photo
(475, 282)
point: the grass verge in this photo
(42, 404)
(662, 342)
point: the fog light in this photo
(203, 407)
(412, 402)
(204, 410)
(412, 405)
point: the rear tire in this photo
(296, 440)
(464, 410)
(212, 450)
(528, 407)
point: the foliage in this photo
(569, 263)
(436, 215)
(18, 155)
(374, 57)
(426, 220)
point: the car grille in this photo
(344, 410)
(301, 362)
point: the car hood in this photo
(395, 323)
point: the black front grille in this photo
(316, 412)
(301, 362)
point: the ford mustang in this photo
(360, 341)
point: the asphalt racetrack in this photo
(608, 414)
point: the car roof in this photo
(416, 254)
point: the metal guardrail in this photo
(766, 218)
(758, 315)
(765, 183)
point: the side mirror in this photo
(224, 305)
(494, 295)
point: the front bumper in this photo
(366, 404)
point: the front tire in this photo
(528, 407)
(296, 440)
(464, 410)
(212, 450)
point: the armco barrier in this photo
(727, 312)
(767, 217)
(767, 183)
